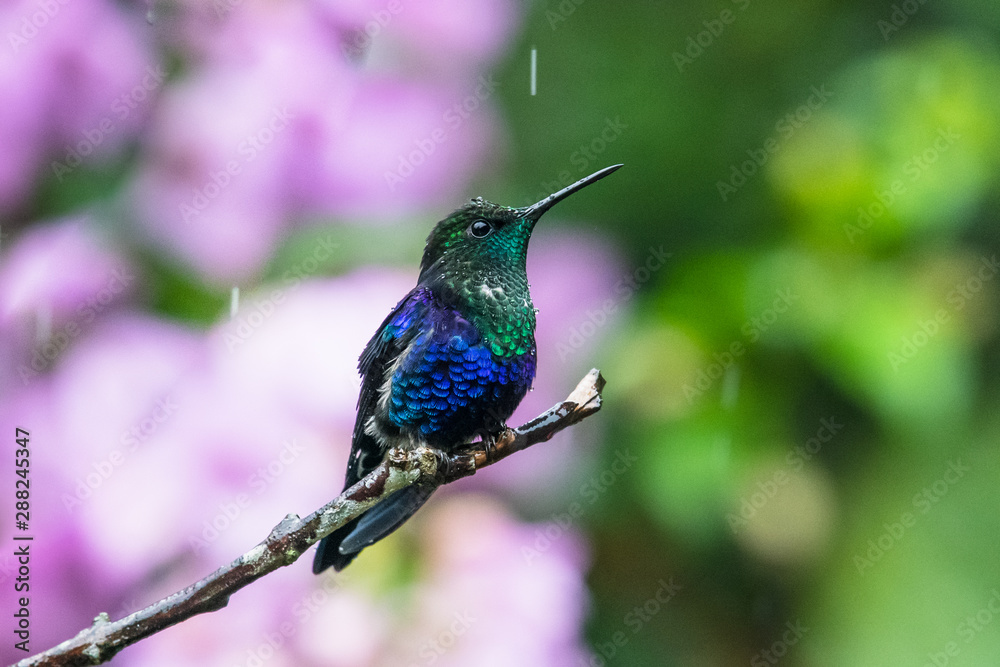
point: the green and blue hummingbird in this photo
(452, 360)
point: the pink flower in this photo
(178, 451)
(276, 124)
(68, 77)
(400, 147)
(456, 35)
(490, 594)
(56, 281)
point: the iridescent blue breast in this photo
(448, 384)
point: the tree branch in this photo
(293, 536)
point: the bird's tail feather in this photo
(340, 547)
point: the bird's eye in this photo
(480, 229)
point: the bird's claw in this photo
(443, 463)
(490, 441)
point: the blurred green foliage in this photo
(825, 176)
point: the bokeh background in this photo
(791, 288)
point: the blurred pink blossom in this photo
(456, 35)
(69, 74)
(56, 281)
(488, 595)
(161, 451)
(275, 124)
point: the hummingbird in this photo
(451, 361)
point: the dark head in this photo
(483, 236)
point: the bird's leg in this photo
(486, 443)
(490, 440)
(494, 429)
(444, 462)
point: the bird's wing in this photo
(392, 337)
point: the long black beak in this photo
(535, 211)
